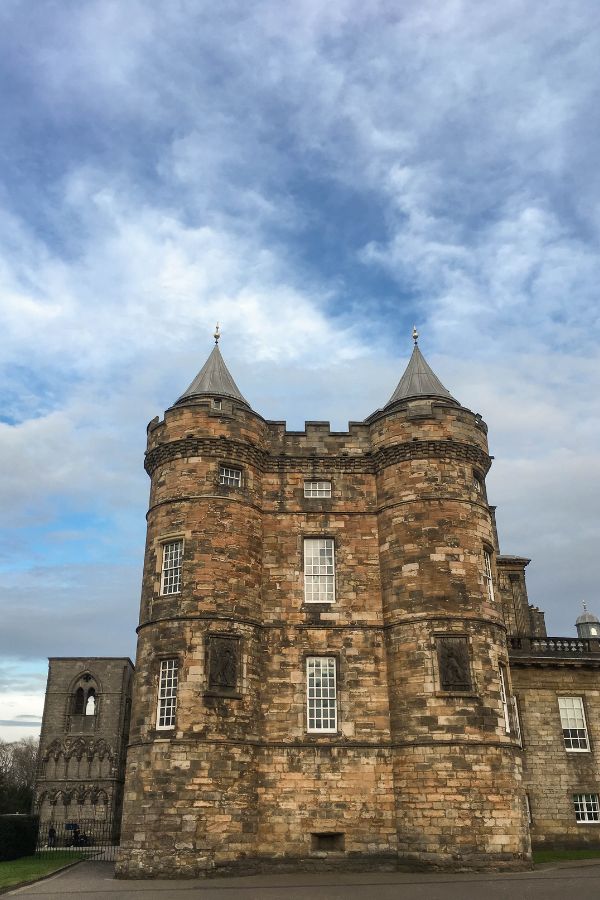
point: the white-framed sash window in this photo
(167, 693)
(321, 694)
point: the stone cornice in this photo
(323, 626)
(326, 507)
(449, 449)
(266, 462)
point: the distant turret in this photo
(587, 625)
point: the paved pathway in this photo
(552, 882)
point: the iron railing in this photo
(77, 838)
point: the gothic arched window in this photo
(79, 701)
(90, 703)
(84, 704)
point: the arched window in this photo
(85, 704)
(90, 703)
(78, 701)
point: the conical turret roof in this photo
(419, 380)
(214, 379)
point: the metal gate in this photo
(78, 839)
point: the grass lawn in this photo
(542, 856)
(28, 868)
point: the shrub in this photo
(18, 836)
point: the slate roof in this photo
(213, 380)
(419, 380)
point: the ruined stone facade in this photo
(83, 741)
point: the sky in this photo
(318, 177)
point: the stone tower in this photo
(456, 759)
(199, 636)
(322, 672)
(83, 741)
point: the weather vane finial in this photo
(415, 335)
(217, 334)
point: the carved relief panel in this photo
(224, 665)
(454, 663)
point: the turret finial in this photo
(217, 334)
(585, 605)
(415, 335)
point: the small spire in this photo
(214, 379)
(419, 380)
(585, 605)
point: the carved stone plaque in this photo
(223, 665)
(454, 663)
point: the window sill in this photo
(462, 694)
(311, 604)
(223, 695)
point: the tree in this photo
(18, 765)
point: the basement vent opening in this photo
(327, 842)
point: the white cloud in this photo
(145, 282)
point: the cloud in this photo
(17, 677)
(316, 177)
(88, 610)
